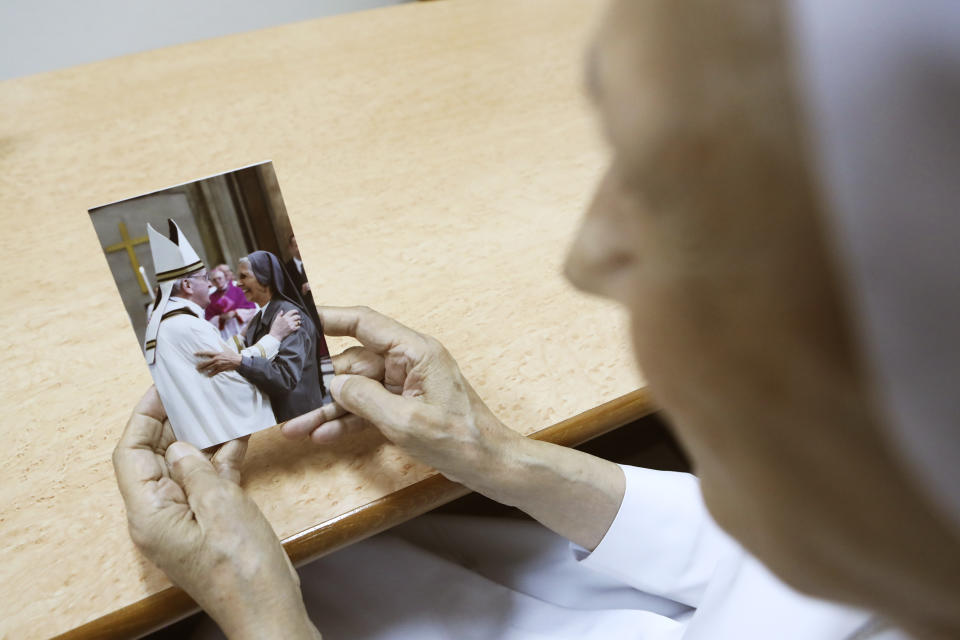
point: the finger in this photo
(212, 368)
(191, 470)
(359, 361)
(302, 425)
(206, 354)
(336, 429)
(229, 458)
(368, 399)
(135, 458)
(375, 331)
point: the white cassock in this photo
(664, 571)
(203, 410)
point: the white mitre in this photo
(173, 259)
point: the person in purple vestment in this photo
(229, 310)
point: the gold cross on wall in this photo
(129, 244)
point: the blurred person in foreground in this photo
(779, 218)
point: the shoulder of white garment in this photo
(180, 328)
(180, 303)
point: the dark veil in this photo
(267, 270)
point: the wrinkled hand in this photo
(285, 323)
(408, 386)
(189, 516)
(214, 362)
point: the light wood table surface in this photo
(434, 159)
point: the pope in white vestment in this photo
(203, 410)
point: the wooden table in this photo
(434, 159)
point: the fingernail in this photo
(180, 450)
(336, 384)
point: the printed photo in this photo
(211, 276)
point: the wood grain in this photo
(434, 159)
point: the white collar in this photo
(183, 302)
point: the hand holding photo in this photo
(230, 355)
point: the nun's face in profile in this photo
(707, 229)
(253, 290)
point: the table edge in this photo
(171, 604)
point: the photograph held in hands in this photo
(211, 277)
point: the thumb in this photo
(229, 458)
(370, 400)
(191, 470)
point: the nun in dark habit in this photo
(292, 379)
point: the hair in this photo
(177, 289)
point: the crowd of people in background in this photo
(229, 310)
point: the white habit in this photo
(664, 571)
(203, 410)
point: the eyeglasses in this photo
(199, 276)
